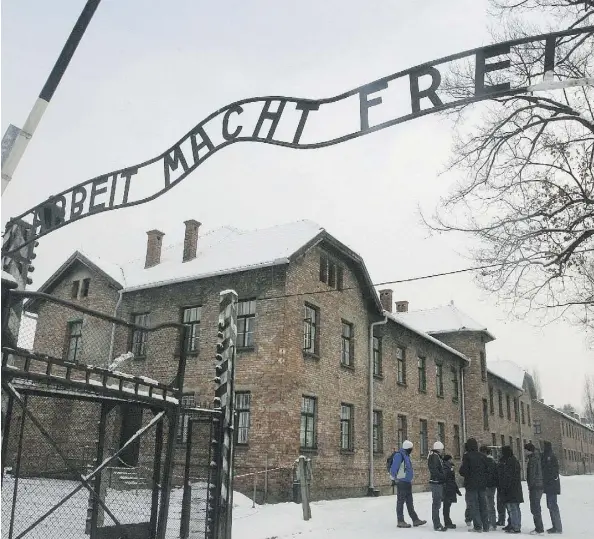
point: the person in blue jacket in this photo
(402, 472)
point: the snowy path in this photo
(358, 518)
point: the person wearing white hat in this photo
(402, 472)
(437, 479)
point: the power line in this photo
(397, 281)
(409, 279)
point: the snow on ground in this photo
(352, 518)
(356, 518)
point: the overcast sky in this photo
(147, 71)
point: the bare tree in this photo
(589, 399)
(537, 383)
(568, 409)
(527, 188)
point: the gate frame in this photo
(44, 382)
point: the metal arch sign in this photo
(416, 91)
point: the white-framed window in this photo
(246, 321)
(243, 401)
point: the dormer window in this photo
(331, 272)
(80, 288)
(84, 291)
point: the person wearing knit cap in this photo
(535, 484)
(402, 472)
(437, 479)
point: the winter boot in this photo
(553, 530)
(419, 523)
(404, 524)
(450, 526)
(440, 528)
(536, 532)
(475, 530)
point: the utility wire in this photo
(407, 280)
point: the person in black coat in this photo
(437, 479)
(510, 483)
(475, 471)
(552, 486)
(450, 491)
(491, 486)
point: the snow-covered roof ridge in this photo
(443, 319)
(567, 416)
(224, 250)
(509, 371)
(427, 336)
(115, 271)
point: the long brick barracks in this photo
(326, 366)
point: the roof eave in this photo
(429, 338)
(31, 304)
(169, 282)
(489, 371)
(337, 244)
(484, 331)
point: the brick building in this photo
(325, 367)
(572, 439)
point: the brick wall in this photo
(573, 443)
(396, 399)
(52, 324)
(472, 345)
(277, 373)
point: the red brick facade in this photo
(278, 373)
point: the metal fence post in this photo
(17, 468)
(225, 399)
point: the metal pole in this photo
(156, 478)
(184, 528)
(24, 135)
(167, 473)
(17, 469)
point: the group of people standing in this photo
(492, 489)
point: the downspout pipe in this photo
(463, 403)
(113, 327)
(371, 486)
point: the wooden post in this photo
(254, 498)
(304, 489)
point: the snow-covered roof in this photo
(110, 269)
(223, 250)
(426, 336)
(442, 319)
(509, 371)
(567, 416)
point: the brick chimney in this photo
(386, 299)
(402, 306)
(191, 239)
(153, 248)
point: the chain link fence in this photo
(83, 389)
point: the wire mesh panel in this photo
(40, 472)
(87, 401)
(199, 506)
